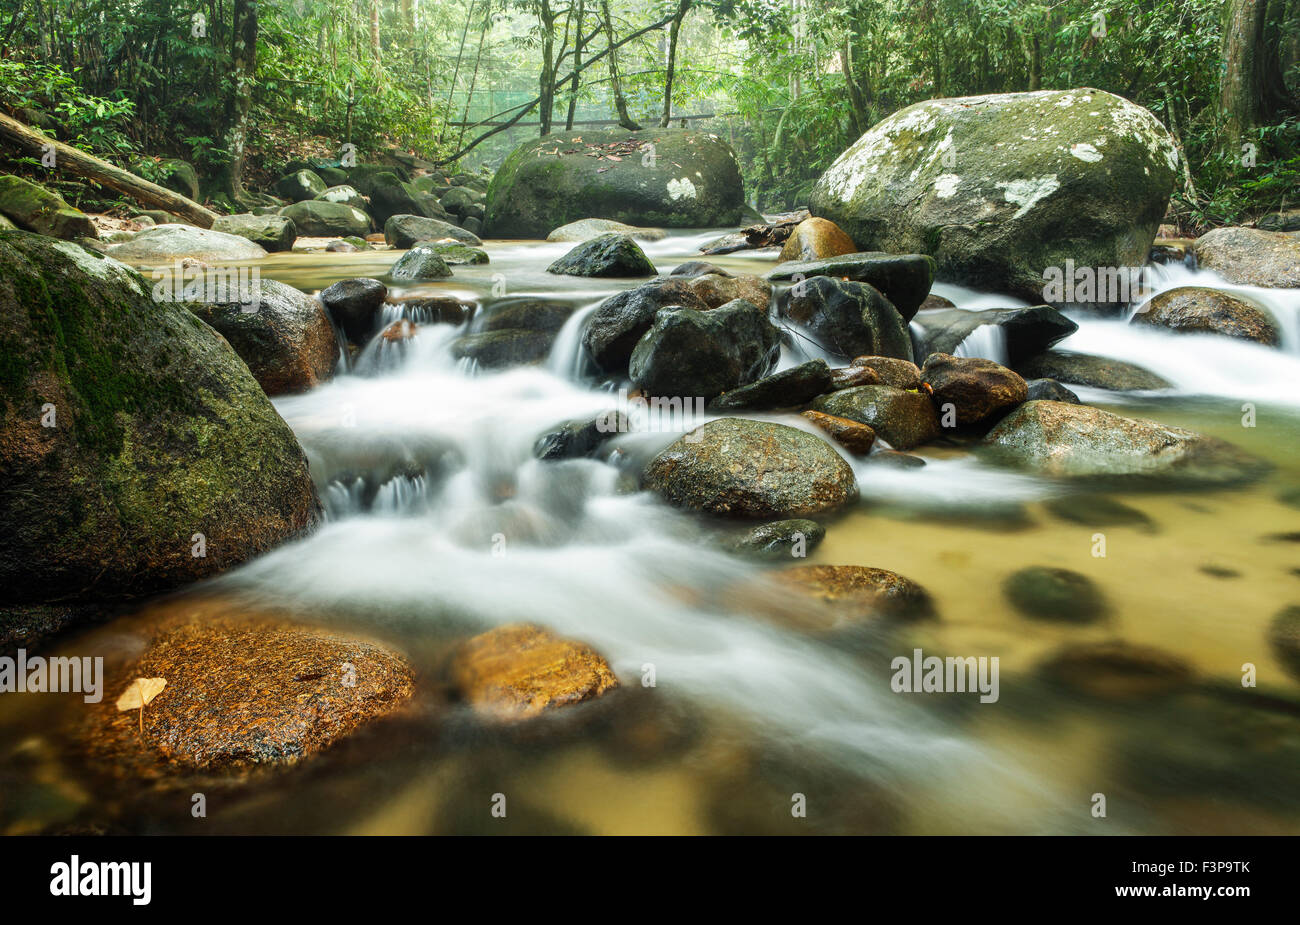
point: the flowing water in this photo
(440, 522)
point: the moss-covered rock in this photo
(269, 232)
(906, 419)
(164, 244)
(137, 452)
(675, 178)
(37, 209)
(299, 186)
(1250, 257)
(999, 188)
(604, 255)
(420, 262)
(404, 231)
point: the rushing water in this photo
(440, 522)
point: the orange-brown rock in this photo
(814, 239)
(848, 377)
(859, 592)
(901, 374)
(399, 331)
(519, 671)
(854, 437)
(718, 290)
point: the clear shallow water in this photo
(441, 523)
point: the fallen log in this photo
(33, 143)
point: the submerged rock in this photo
(1118, 671)
(1093, 371)
(905, 419)
(527, 314)
(797, 385)
(1026, 331)
(1055, 594)
(518, 672)
(848, 319)
(605, 255)
(35, 208)
(1078, 441)
(781, 539)
(619, 322)
(814, 239)
(694, 354)
(355, 306)
(1198, 310)
(978, 390)
(1249, 257)
(735, 467)
(903, 279)
(587, 228)
(164, 244)
(859, 593)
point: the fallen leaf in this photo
(140, 692)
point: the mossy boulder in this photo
(316, 218)
(35, 208)
(420, 262)
(137, 451)
(673, 178)
(299, 186)
(403, 231)
(605, 255)
(269, 232)
(179, 176)
(999, 188)
(162, 245)
(343, 193)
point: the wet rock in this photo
(587, 228)
(270, 232)
(895, 460)
(848, 319)
(979, 390)
(693, 268)
(814, 239)
(506, 347)
(443, 309)
(1049, 390)
(299, 186)
(528, 314)
(1019, 200)
(404, 231)
(421, 262)
(459, 254)
(933, 301)
(1054, 594)
(162, 432)
(623, 319)
(860, 593)
(742, 468)
(1082, 442)
(1118, 671)
(346, 194)
(901, 374)
(581, 438)
(241, 693)
(903, 279)
(1249, 257)
(164, 244)
(1284, 637)
(696, 354)
(905, 419)
(1027, 331)
(781, 539)
(399, 331)
(1198, 310)
(1097, 511)
(605, 255)
(316, 219)
(797, 385)
(855, 437)
(355, 306)
(718, 290)
(287, 342)
(1095, 372)
(850, 377)
(520, 671)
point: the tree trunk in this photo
(857, 107)
(546, 83)
(674, 30)
(243, 70)
(577, 63)
(76, 161)
(374, 29)
(616, 82)
(1242, 87)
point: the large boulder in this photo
(675, 178)
(402, 231)
(179, 176)
(999, 188)
(1250, 257)
(1082, 442)
(1023, 331)
(316, 218)
(35, 208)
(269, 232)
(605, 255)
(390, 195)
(287, 339)
(735, 467)
(905, 419)
(848, 319)
(587, 228)
(696, 354)
(299, 186)
(904, 279)
(620, 321)
(137, 451)
(344, 193)
(1198, 310)
(164, 244)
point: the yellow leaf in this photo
(141, 692)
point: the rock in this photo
(507, 347)
(933, 301)
(848, 319)
(333, 176)
(905, 419)
(270, 232)
(736, 467)
(179, 176)
(587, 228)
(390, 196)
(242, 694)
(895, 460)
(850, 377)
(619, 322)
(403, 231)
(696, 354)
(457, 254)
(440, 309)
(718, 290)
(299, 186)
(161, 433)
(1085, 369)
(797, 385)
(901, 374)
(604, 255)
(420, 262)
(855, 437)
(1026, 331)
(814, 239)
(1284, 637)
(518, 672)
(1097, 511)
(674, 178)
(1049, 390)
(1054, 594)
(858, 592)
(693, 268)
(288, 341)
(1081, 442)
(1118, 671)
(458, 200)
(5, 224)
(1286, 220)
(165, 244)
(399, 331)
(317, 219)
(346, 194)
(978, 390)
(999, 188)
(473, 225)
(355, 306)
(1249, 257)
(903, 279)
(35, 208)
(1198, 310)
(781, 539)
(578, 439)
(528, 314)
